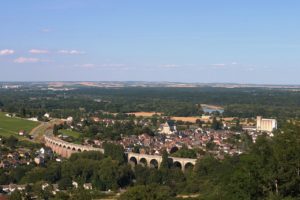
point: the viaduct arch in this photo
(65, 149)
(155, 160)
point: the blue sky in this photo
(250, 41)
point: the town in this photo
(214, 135)
(208, 135)
(103, 143)
(149, 100)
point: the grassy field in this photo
(70, 133)
(11, 126)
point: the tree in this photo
(11, 141)
(107, 176)
(17, 174)
(141, 174)
(53, 173)
(154, 120)
(91, 155)
(136, 149)
(61, 196)
(287, 155)
(216, 125)
(199, 122)
(16, 195)
(210, 145)
(4, 179)
(35, 175)
(155, 176)
(23, 112)
(148, 131)
(151, 192)
(237, 127)
(41, 193)
(116, 152)
(55, 129)
(81, 194)
(207, 166)
(125, 175)
(184, 152)
(165, 163)
(65, 183)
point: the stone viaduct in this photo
(155, 161)
(65, 149)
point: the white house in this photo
(87, 186)
(21, 132)
(70, 120)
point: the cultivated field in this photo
(11, 126)
(186, 119)
(144, 114)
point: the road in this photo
(45, 128)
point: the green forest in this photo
(237, 102)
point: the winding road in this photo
(45, 128)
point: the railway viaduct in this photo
(154, 161)
(65, 149)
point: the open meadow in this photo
(70, 133)
(11, 125)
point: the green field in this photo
(11, 126)
(70, 133)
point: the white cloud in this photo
(71, 52)
(112, 65)
(88, 65)
(22, 60)
(170, 66)
(38, 51)
(5, 52)
(219, 65)
(174, 66)
(102, 66)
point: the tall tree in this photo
(165, 163)
(116, 152)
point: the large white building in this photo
(168, 128)
(265, 124)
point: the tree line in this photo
(238, 102)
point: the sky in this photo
(205, 41)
